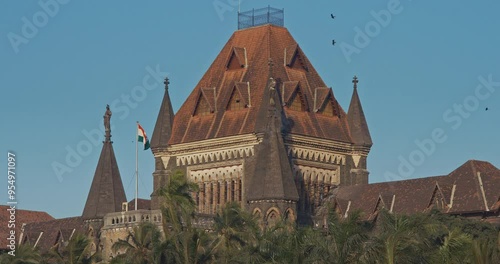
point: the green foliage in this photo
(76, 251)
(24, 254)
(236, 237)
(142, 246)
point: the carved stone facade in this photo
(279, 155)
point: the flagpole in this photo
(136, 165)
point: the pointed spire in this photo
(356, 119)
(272, 176)
(164, 122)
(106, 193)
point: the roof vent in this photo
(261, 16)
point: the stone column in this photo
(208, 196)
(223, 193)
(236, 190)
(216, 196)
(229, 190)
(201, 197)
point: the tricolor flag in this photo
(141, 136)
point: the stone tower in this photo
(261, 128)
(106, 193)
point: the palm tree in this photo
(287, 243)
(401, 239)
(140, 246)
(454, 248)
(24, 254)
(178, 205)
(484, 252)
(343, 239)
(234, 229)
(77, 251)
(183, 243)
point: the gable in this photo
(237, 59)
(206, 102)
(236, 101)
(292, 96)
(437, 200)
(324, 101)
(294, 58)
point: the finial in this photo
(107, 124)
(166, 82)
(355, 81)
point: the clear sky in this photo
(429, 70)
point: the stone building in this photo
(106, 216)
(261, 128)
(472, 190)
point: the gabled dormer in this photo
(205, 105)
(294, 58)
(324, 102)
(237, 59)
(293, 97)
(240, 97)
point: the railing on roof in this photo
(261, 16)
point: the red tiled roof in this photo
(142, 204)
(49, 233)
(22, 217)
(258, 44)
(461, 190)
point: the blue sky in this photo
(416, 69)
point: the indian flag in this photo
(141, 136)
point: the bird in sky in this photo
(486, 109)
(333, 17)
(333, 42)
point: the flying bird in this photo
(333, 42)
(486, 109)
(333, 17)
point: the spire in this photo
(356, 119)
(272, 178)
(106, 193)
(164, 122)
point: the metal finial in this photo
(355, 81)
(166, 82)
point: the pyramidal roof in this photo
(106, 193)
(226, 100)
(477, 186)
(272, 172)
(163, 127)
(356, 119)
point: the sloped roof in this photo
(461, 189)
(259, 44)
(468, 194)
(272, 172)
(357, 121)
(164, 122)
(106, 193)
(48, 233)
(22, 217)
(142, 204)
